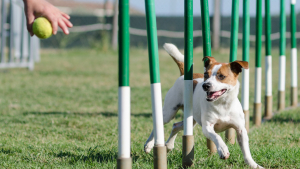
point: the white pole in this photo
(294, 66)
(188, 107)
(158, 124)
(268, 65)
(124, 122)
(257, 97)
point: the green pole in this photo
(230, 133)
(282, 28)
(258, 33)
(294, 88)
(124, 42)
(188, 138)
(245, 73)
(152, 41)
(246, 30)
(188, 37)
(234, 30)
(282, 58)
(268, 62)
(205, 28)
(293, 25)
(124, 160)
(268, 28)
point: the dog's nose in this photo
(206, 86)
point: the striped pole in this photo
(124, 159)
(282, 60)
(230, 133)
(3, 30)
(160, 150)
(268, 62)
(245, 73)
(257, 94)
(206, 50)
(294, 88)
(188, 138)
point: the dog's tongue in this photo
(213, 95)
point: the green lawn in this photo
(64, 114)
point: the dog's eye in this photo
(221, 77)
(206, 76)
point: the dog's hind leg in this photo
(176, 128)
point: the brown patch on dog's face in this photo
(227, 73)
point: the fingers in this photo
(65, 15)
(30, 20)
(63, 26)
(67, 22)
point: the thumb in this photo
(30, 18)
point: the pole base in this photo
(160, 157)
(124, 163)
(187, 151)
(211, 146)
(230, 136)
(294, 96)
(268, 107)
(247, 118)
(257, 114)
(281, 100)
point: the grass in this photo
(64, 115)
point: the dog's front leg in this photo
(243, 141)
(209, 132)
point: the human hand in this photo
(37, 8)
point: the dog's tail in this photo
(176, 55)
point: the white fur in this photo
(174, 52)
(214, 117)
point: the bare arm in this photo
(37, 8)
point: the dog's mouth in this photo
(212, 96)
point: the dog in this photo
(215, 104)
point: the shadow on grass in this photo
(106, 114)
(289, 117)
(92, 155)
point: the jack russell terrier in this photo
(215, 104)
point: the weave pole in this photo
(268, 62)
(206, 50)
(11, 34)
(282, 59)
(230, 133)
(245, 72)
(257, 93)
(159, 150)
(188, 138)
(294, 88)
(124, 160)
(3, 30)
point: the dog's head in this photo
(220, 78)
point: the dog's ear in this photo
(236, 66)
(208, 61)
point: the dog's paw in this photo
(169, 147)
(223, 152)
(148, 147)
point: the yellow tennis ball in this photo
(42, 28)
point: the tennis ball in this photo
(42, 28)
